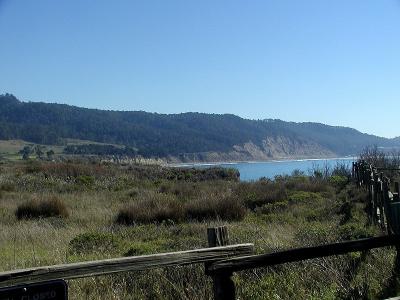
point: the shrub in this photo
(7, 187)
(85, 180)
(355, 230)
(338, 181)
(72, 170)
(301, 196)
(315, 233)
(306, 184)
(180, 189)
(94, 242)
(256, 194)
(143, 248)
(160, 208)
(225, 208)
(273, 207)
(52, 207)
(32, 166)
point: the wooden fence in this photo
(222, 260)
(383, 204)
(383, 209)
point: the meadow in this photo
(71, 211)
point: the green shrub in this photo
(156, 210)
(306, 184)
(52, 207)
(90, 242)
(355, 230)
(85, 180)
(338, 181)
(301, 196)
(273, 207)
(315, 233)
(143, 248)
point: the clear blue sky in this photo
(310, 60)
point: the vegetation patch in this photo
(227, 209)
(259, 193)
(145, 247)
(161, 208)
(302, 196)
(355, 230)
(85, 180)
(45, 208)
(273, 207)
(90, 242)
(7, 187)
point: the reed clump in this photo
(43, 208)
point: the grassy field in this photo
(9, 149)
(53, 212)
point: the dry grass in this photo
(90, 232)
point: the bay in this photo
(269, 169)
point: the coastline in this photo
(198, 164)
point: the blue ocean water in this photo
(255, 170)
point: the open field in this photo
(10, 149)
(109, 211)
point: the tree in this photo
(25, 152)
(50, 154)
(38, 151)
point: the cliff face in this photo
(271, 148)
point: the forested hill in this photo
(210, 136)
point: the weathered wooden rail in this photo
(264, 260)
(110, 266)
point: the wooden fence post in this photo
(376, 196)
(370, 204)
(223, 286)
(396, 194)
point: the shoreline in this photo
(196, 164)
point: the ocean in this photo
(255, 170)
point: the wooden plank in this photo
(223, 285)
(264, 260)
(133, 263)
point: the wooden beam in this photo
(124, 264)
(264, 260)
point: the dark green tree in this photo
(25, 152)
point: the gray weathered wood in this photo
(223, 285)
(133, 263)
(292, 255)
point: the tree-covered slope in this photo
(167, 135)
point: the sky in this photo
(334, 62)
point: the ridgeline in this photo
(181, 137)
